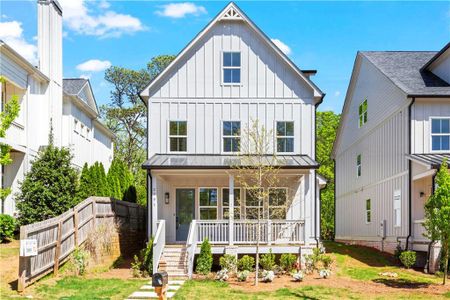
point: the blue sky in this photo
(319, 35)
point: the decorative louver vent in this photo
(231, 14)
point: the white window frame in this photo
(223, 207)
(230, 67)
(358, 165)
(208, 206)
(277, 206)
(231, 136)
(363, 114)
(247, 206)
(368, 211)
(437, 134)
(397, 208)
(176, 136)
(284, 136)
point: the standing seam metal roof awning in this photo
(433, 159)
(211, 161)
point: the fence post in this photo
(75, 227)
(58, 249)
(23, 265)
(94, 213)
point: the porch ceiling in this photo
(433, 160)
(212, 161)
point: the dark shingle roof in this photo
(73, 86)
(403, 68)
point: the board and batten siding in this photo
(13, 71)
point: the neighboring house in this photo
(42, 100)
(227, 76)
(393, 136)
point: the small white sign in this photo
(28, 247)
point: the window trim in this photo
(203, 206)
(368, 211)
(431, 118)
(222, 67)
(283, 136)
(222, 206)
(246, 206)
(364, 112)
(277, 206)
(222, 150)
(397, 193)
(176, 136)
(358, 165)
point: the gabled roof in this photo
(233, 13)
(76, 86)
(436, 56)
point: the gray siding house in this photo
(393, 135)
(228, 75)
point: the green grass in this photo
(78, 288)
(8, 252)
(447, 295)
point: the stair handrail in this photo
(191, 244)
(159, 242)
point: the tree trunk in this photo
(258, 236)
(445, 248)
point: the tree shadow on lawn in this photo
(402, 283)
(366, 255)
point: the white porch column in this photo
(231, 210)
(154, 217)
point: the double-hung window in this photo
(358, 165)
(226, 203)
(231, 136)
(363, 113)
(277, 203)
(208, 203)
(440, 134)
(253, 207)
(178, 136)
(368, 211)
(231, 67)
(285, 136)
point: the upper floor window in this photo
(358, 165)
(440, 134)
(231, 67)
(178, 136)
(231, 136)
(285, 136)
(363, 113)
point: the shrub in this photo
(267, 276)
(312, 260)
(327, 261)
(228, 262)
(287, 261)
(298, 276)
(408, 258)
(100, 240)
(121, 181)
(147, 257)
(80, 258)
(136, 267)
(205, 259)
(246, 263)
(242, 276)
(267, 261)
(7, 227)
(222, 275)
(324, 273)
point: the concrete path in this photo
(148, 292)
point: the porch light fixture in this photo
(422, 194)
(166, 198)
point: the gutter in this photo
(409, 175)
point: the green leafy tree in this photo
(327, 125)
(85, 188)
(50, 187)
(205, 259)
(121, 181)
(10, 112)
(437, 214)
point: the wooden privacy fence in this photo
(58, 237)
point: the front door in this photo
(185, 212)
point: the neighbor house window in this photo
(397, 208)
(208, 203)
(358, 165)
(231, 136)
(363, 113)
(277, 203)
(226, 203)
(285, 136)
(231, 67)
(178, 136)
(440, 134)
(252, 207)
(368, 211)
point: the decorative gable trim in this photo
(231, 14)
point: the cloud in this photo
(283, 47)
(180, 10)
(337, 93)
(96, 19)
(12, 34)
(94, 65)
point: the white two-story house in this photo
(228, 75)
(44, 98)
(394, 135)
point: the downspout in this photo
(409, 175)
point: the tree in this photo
(437, 214)
(49, 188)
(85, 187)
(327, 124)
(121, 181)
(7, 116)
(93, 182)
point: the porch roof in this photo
(215, 161)
(434, 160)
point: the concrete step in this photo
(147, 295)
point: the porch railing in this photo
(191, 244)
(159, 242)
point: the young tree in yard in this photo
(327, 124)
(256, 171)
(121, 181)
(437, 214)
(9, 113)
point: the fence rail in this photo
(58, 237)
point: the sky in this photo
(319, 35)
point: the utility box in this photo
(382, 233)
(160, 279)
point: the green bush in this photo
(327, 261)
(246, 263)
(80, 258)
(147, 258)
(267, 261)
(228, 262)
(136, 267)
(408, 258)
(205, 259)
(7, 227)
(287, 261)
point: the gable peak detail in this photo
(231, 14)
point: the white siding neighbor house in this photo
(46, 98)
(393, 136)
(227, 76)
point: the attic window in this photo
(363, 113)
(231, 67)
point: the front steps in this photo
(175, 258)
